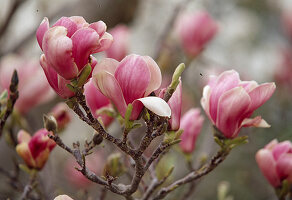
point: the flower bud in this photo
(114, 166)
(191, 124)
(62, 115)
(195, 30)
(34, 150)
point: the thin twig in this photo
(204, 170)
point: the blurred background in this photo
(254, 38)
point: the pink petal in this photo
(155, 73)
(205, 102)
(191, 124)
(284, 167)
(94, 98)
(99, 27)
(85, 42)
(281, 148)
(106, 64)
(109, 86)
(175, 103)
(56, 82)
(267, 165)
(58, 50)
(271, 144)
(68, 24)
(225, 81)
(105, 42)
(79, 21)
(256, 122)
(156, 105)
(232, 106)
(42, 29)
(23, 137)
(248, 85)
(137, 108)
(133, 76)
(260, 95)
(50, 73)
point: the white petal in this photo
(156, 105)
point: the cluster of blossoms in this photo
(120, 81)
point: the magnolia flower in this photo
(33, 87)
(287, 21)
(95, 162)
(283, 73)
(230, 102)
(62, 115)
(63, 197)
(34, 150)
(68, 44)
(95, 100)
(195, 30)
(120, 45)
(175, 104)
(191, 123)
(131, 81)
(275, 162)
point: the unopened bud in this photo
(114, 167)
(50, 123)
(97, 138)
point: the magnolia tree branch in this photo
(195, 175)
(13, 96)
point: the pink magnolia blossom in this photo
(34, 150)
(62, 115)
(230, 102)
(287, 21)
(195, 30)
(120, 45)
(275, 162)
(68, 44)
(33, 87)
(95, 100)
(191, 123)
(283, 73)
(175, 104)
(63, 197)
(95, 162)
(131, 81)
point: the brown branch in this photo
(13, 96)
(195, 175)
(29, 187)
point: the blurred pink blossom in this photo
(195, 30)
(275, 162)
(283, 73)
(120, 45)
(230, 102)
(68, 44)
(33, 86)
(34, 150)
(131, 81)
(95, 100)
(191, 123)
